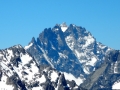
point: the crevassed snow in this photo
(116, 86)
(70, 77)
(25, 58)
(3, 85)
(54, 76)
(26, 47)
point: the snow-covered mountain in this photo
(69, 49)
(19, 71)
(61, 58)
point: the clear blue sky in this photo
(20, 20)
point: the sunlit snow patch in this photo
(42, 79)
(116, 86)
(63, 27)
(38, 88)
(25, 58)
(54, 76)
(89, 39)
(70, 77)
(92, 61)
(26, 47)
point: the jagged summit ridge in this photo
(52, 44)
(74, 50)
(60, 60)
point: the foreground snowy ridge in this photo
(19, 71)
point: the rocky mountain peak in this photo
(63, 26)
(61, 58)
(33, 40)
(73, 50)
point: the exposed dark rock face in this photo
(62, 83)
(0, 74)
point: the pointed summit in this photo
(63, 26)
(33, 40)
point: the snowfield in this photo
(116, 86)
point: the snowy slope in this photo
(3, 85)
(19, 71)
(16, 63)
(116, 86)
